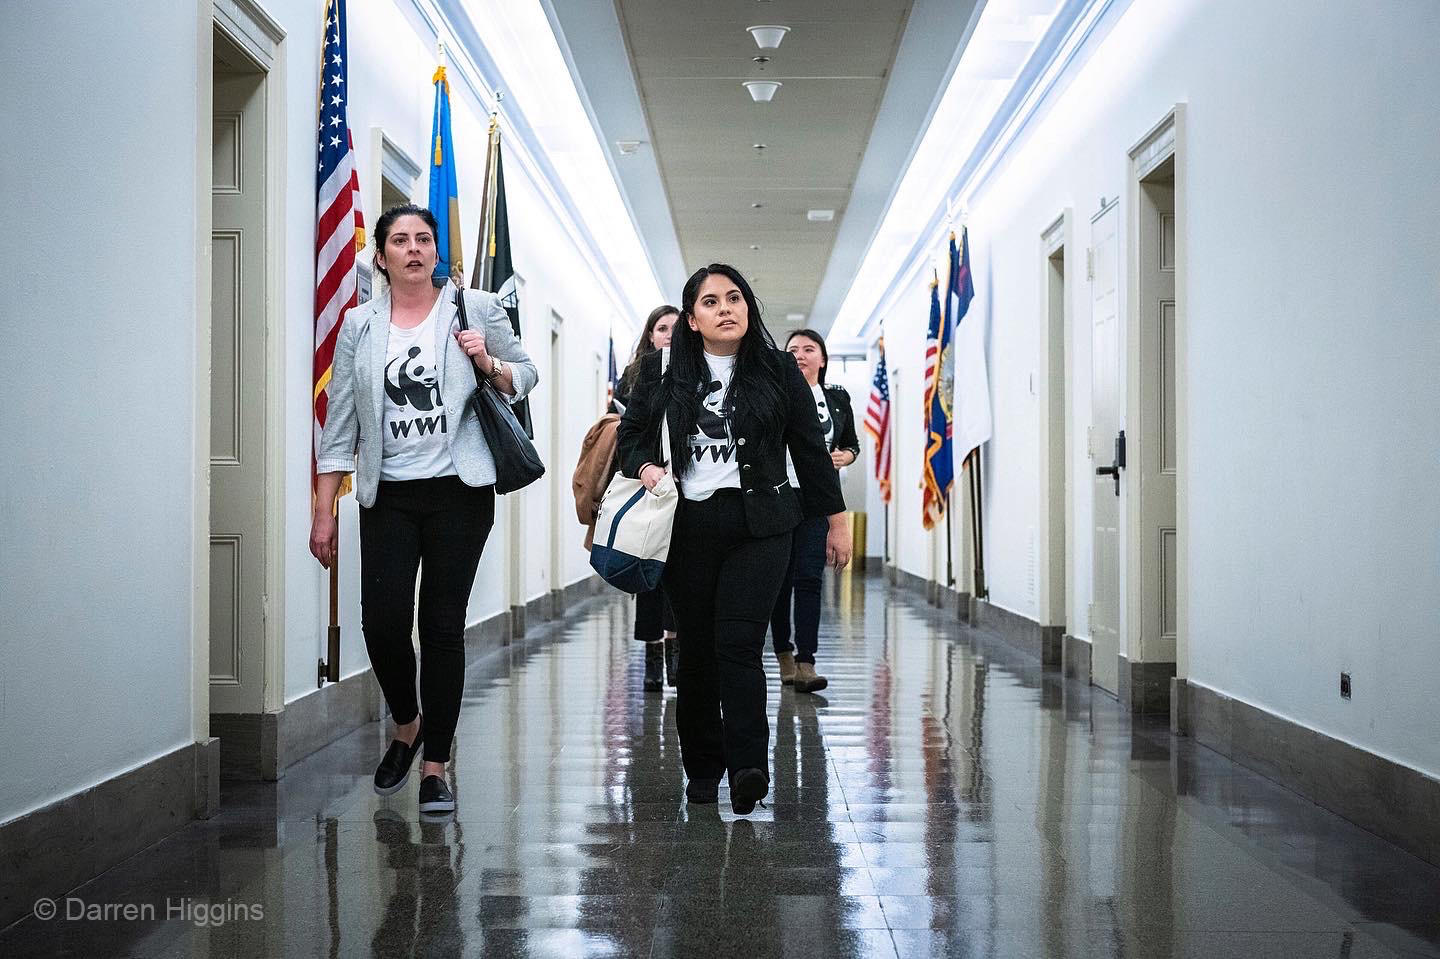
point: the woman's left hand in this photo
(473, 343)
(837, 542)
(839, 458)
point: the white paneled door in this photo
(237, 396)
(1155, 463)
(1106, 410)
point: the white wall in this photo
(1314, 459)
(98, 302)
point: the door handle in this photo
(1114, 468)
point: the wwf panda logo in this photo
(711, 420)
(410, 383)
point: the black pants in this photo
(802, 580)
(653, 616)
(443, 523)
(722, 583)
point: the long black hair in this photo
(819, 341)
(387, 221)
(644, 347)
(756, 390)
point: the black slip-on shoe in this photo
(747, 787)
(435, 795)
(702, 792)
(394, 770)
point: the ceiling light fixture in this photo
(627, 147)
(757, 205)
(819, 216)
(795, 317)
(754, 246)
(762, 60)
(758, 146)
(762, 91)
(768, 37)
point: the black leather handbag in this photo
(517, 464)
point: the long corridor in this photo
(944, 797)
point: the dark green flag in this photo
(500, 277)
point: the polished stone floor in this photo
(944, 797)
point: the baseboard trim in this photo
(1396, 802)
(58, 847)
(1019, 631)
(1075, 658)
(1145, 687)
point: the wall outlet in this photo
(1344, 685)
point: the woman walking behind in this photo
(734, 404)
(399, 401)
(807, 553)
(654, 619)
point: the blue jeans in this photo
(802, 580)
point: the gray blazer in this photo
(355, 415)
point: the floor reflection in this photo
(944, 797)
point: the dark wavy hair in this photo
(819, 341)
(756, 390)
(644, 347)
(387, 221)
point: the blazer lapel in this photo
(379, 345)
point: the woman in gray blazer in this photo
(398, 404)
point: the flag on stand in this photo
(444, 194)
(939, 471)
(339, 225)
(613, 382)
(972, 380)
(495, 270)
(877, 423)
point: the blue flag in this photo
(939, 473)
(444, 195)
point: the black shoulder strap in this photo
(460, 309)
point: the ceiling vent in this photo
(627, 147)
(768, 37)
(762, 91)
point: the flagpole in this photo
(332, 651)
(478, 279)
(980, 591)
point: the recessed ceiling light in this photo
(627, 147)
(762, 91)
(820, 216)
(754, 246)
(758, 146)
(756, 206)
(762, 60)
(768, 36)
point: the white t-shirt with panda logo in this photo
(714, 461)
(827, 425)
(415, 432)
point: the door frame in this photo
(250, 28)
(1164, 140)
(1054, 434)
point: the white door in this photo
(1105, 427)
(237, 396)
(1155, 460)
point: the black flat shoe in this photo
(747, 787)
(435, 796)
(702, 792)
(394, 770)
(654, 667)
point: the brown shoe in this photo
(787, 668)
(807, 680)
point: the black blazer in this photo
(838, 399)
(772, 505)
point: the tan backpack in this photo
(593, 471)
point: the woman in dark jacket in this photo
(734, 406)
(654, 620)
(807, 554)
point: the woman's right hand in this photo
(323, 538)
(651, 475)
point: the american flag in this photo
(339, 226)
(613, 382)
(877, 423)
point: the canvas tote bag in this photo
(632, 528)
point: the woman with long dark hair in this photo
(734, 405)
(400, 420)
(654, 619)
(807, 552)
